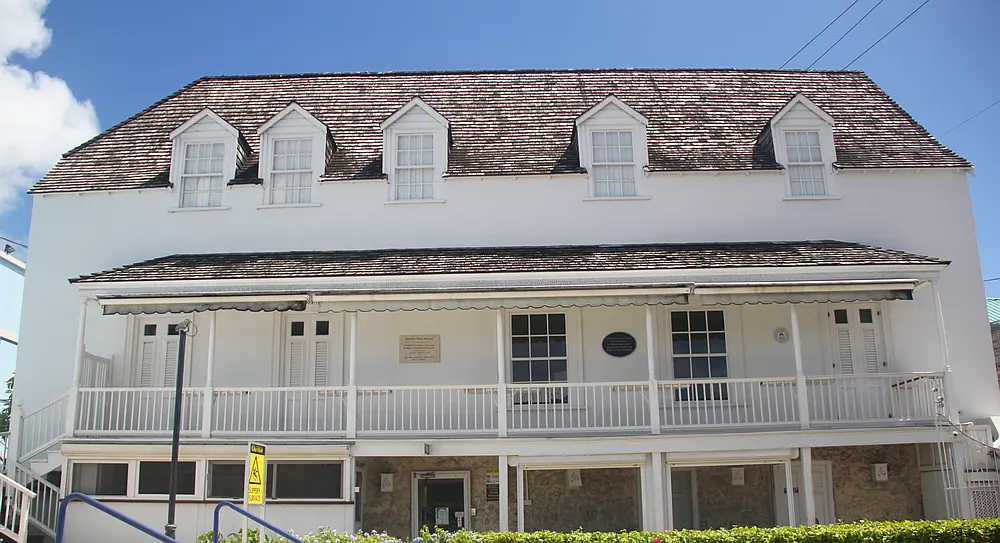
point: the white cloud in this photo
(39, 117)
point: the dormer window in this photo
(202, 177)
(614, 163)
(801, 136)
(416, 153)
(294, 149)
(613, 150)
(292, 171)
(805, 163)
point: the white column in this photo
(948, 382)
(520, 497)
(654, 393)
(662, 486)
(504, 495)
(208, 399)
(790, 493)
(800, 375)
(501, 377)
(807, 484)
(14, 439)
(74, 389)
(352, 374)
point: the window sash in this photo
(414, 168)
(699, 350)
(806, 167)
(613, 162)
(291, 171)
(539, 348)
(201, 178)
(149, 482)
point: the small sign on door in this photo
(441, 516)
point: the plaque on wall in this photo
(618, 344)
(420, 348)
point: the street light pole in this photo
(182, 328)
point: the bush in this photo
(946, 531)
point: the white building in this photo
(511, 300)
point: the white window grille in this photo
(414, 179)
(613, 163)
(291, 171)
(201, 176)
(805, 163)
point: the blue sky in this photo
(941, 65)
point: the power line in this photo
(956, 127)
(18, 243)
(886, 34)
(991, 279)
(845, 34)
(818, 35)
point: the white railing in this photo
(727, 402)
(42, 427)
(95, 371)
(279, 411)
(44, 508)
(15, 502)
(875, 398)
(416, 409)
(109, 411)
(609, 407)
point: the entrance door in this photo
(859, 356)
(440, 499)
(359, 497)
(822, 494)
(682, 488)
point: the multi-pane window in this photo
(698, 340)
(414, 167)
(100, 479)
(614, 163)
(538, 348)
(154, 478)
(201, 176)
(291, 171)
(805, 163)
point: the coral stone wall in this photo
(722, 505)
(856, 495)
(608, 500)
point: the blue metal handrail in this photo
(78, 497)
(247, 514)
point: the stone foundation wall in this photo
(856, 495)
(609, 500)
(391, 511)
(722, 505)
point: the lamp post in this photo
(183, 328)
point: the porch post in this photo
(501, 379)
(74, 389)
(800, 375)
(520, 497)
(208, 399)
(807, 484)
(661, 485)
(352, 374)
(504, 495)
(790, 493)
(654, 392)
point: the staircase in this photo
(15, 501)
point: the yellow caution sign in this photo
(256, 474)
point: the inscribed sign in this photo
(256, 473)
(422, 348)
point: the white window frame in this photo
(181, 138)
(591, 122)
(199, 479)
(272, 131)
(594, 165)
(182, 177)
(134, 340)
(510, 349)
(310, 172)
(433, 124)
(823, 124)
(397, 167)
(825, 164)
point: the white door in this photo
(859, 356)
(155, 367)
(311, 341)
(440, 499)
(682, 490)
(822, 494)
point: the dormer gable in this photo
(612, 141)
(801, 137)
(206, 152)
(415, 142)
(295, 148)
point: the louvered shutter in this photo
(170, 362)
(296, 361)
(870, 350)
(845, 358)
(147, 362)
(321, 365)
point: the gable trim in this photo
(611, 99)
(415, 102)
(805, 101)
(293, 107)
(201, 115)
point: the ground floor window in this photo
(698, 344)
(225, 479)
(305, 480)
(154, 478)
(100, 479)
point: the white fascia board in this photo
(9, 337)
(805, 101)
(581, 461)
(611, 99)
(202, 299)
(809, 286)
(523, 280)
(109, 449)
(415, 102)
(730, 458)
(297, 109)
(14, 264)
(201, 115)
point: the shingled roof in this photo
(517, 122)
(561, 258)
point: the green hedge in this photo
(947, 531)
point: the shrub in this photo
(945, 531)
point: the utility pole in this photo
(183, 328)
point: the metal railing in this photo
(78, 497)
(727, 402)
(874, 398)
(110, 411)
(218, 509)
(319, 410)
(611, 407)
(42, 427)
(435, 409)
(14, 506)
(44, 508)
